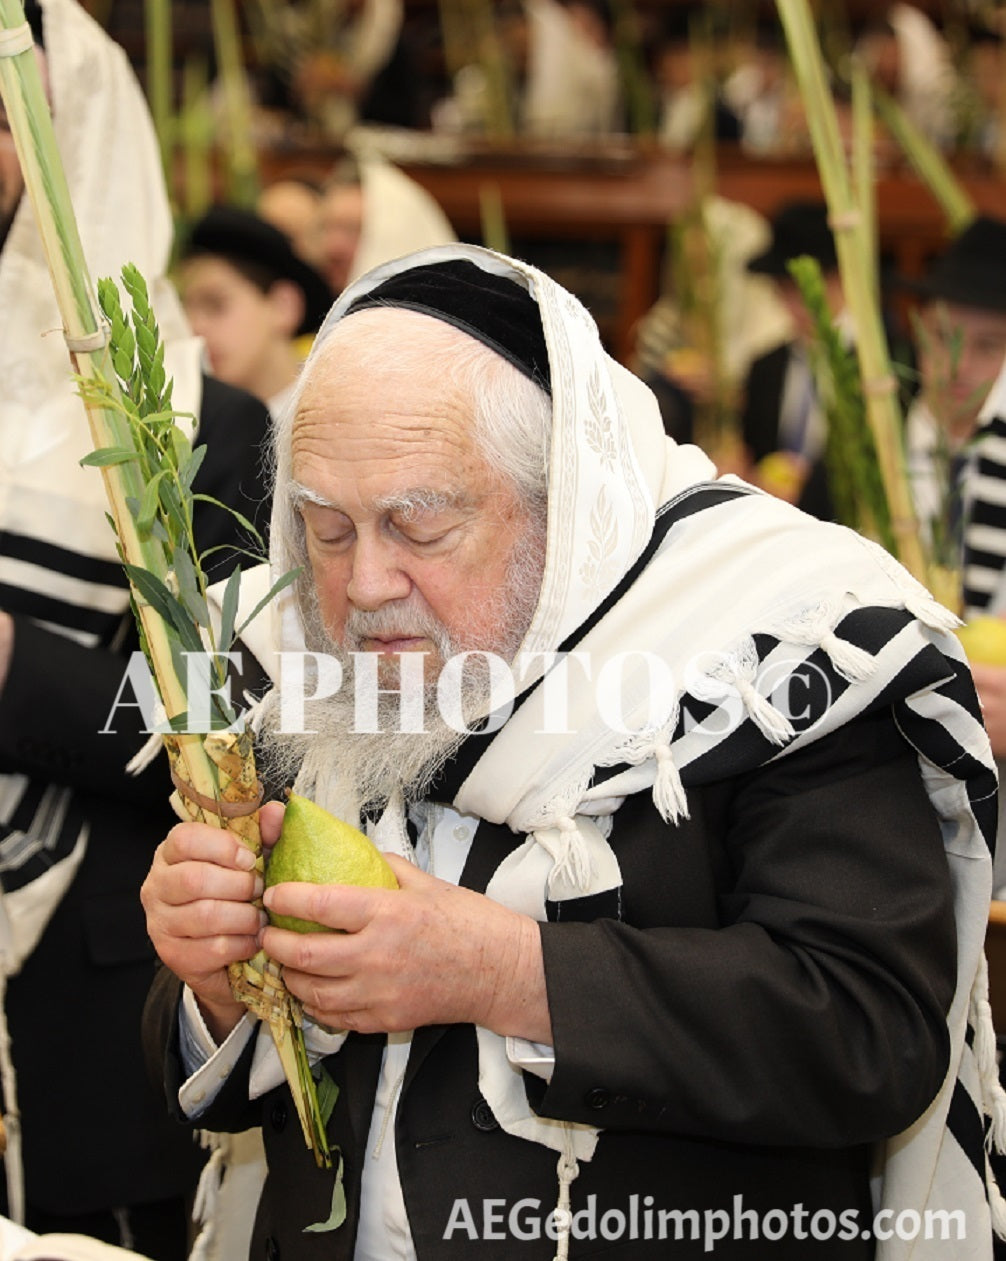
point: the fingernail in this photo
(267, 898)
(258, 887)
(244, 858)
(263, 920)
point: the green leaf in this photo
(188, 471)
(229, 609)
(165, 605)
(239, 517)
(105, 457)
(123, 364)
(255, 557)
(178, 449)
(273, 591)
(328, 1094)
(337, 1213)
(188, 586)
(108, 296)
(177, 513)
(150, 502)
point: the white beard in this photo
(373, 766)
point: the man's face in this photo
(413, 534)
(341, 225)
(960, 355)
(234, 317)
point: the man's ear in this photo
(288, 305)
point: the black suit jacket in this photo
(763, 399)
(95, 1132)
(767, 1001)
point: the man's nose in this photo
(377, 575)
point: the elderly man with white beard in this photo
(690, 960)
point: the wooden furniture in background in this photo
(627, 196)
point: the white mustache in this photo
(397, 621)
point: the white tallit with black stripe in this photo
(738, 594)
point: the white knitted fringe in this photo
(918, 601)
(567, 1169)
(654, 745)
(737, 672)
(993, 1097)
(815, 628)
(207, 1197)
(565, 846)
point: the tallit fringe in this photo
(568, 1169)
(918, 601)
(815, 628)
(569, 855)
(997, 1204)
(771, 722)
(929, 611)
(993, 1097)
(737, 671)
(668, 791)
(146, 755)
(207, 1197)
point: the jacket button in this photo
(278, 1115)
(482, 1116)
(597, 1098)
(271, 1249)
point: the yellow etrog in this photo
(316, 847)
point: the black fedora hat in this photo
(799, 227)
(972, 271)
(240, 236)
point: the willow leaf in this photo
(188, 586)
(239, 517)
(188, 471)
(273, 591)
(337, 1212)
(105, 457)
(328, 1094)
(150, 502)
(229, 609)
(156, 594)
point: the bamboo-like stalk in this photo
(858, 283)
(493, 218)
(928, 163)
(864, 188)
(215, 769)
(160, 56)
(457, 53)
(196, 130)
(639, 93)
(241, 155)
(495, 69)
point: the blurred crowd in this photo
(586, 68)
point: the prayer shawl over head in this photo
(58, 562)
(716, 598)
